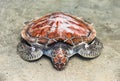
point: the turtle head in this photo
(60, 58)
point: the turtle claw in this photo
(91, 50)
(29, 53)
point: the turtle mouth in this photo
(59, 66)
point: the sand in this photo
(105, 14)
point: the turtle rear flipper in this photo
(91, 50)
(28, 52)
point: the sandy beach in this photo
(105, 14)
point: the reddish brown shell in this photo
(58, 26)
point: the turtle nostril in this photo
(62, 65)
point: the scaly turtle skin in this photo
(58, 36)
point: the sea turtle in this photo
(59, 36)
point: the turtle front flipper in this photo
(29, 52)
(90, 50)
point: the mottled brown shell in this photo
(58, 27)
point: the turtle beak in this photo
(59, 66)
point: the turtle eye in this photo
(66, 53)
(53, 55)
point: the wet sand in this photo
(105, 14)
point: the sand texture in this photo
(105, 14)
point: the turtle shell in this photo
(56, 27)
